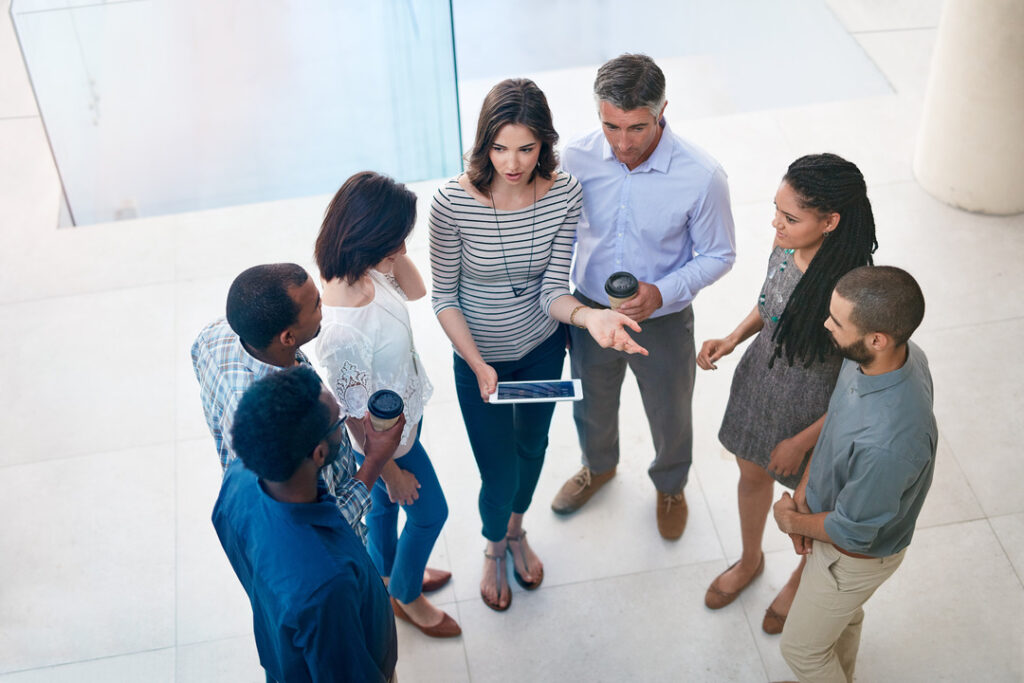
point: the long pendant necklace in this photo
(504, 258)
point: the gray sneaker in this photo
(579, 489)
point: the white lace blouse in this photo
(367, 348)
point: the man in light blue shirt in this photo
(656, 206)
(855, 511)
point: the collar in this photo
(660, 158)
(258, 367)
(322, 513)
(869, 384)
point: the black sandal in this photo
(519, 579)
(500, 573)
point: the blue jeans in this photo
(509, 440)
(403, 558)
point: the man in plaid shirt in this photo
(272, 310)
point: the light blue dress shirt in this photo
(668, 221)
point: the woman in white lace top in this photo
(365, 345)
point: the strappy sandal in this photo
(519, 579)
(501, 575)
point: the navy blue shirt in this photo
(320, 609)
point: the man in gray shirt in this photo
(855, 511)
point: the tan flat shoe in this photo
(448, 628)
(435, 579)
(716, 598)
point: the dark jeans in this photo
(403, 558)
(509, 440)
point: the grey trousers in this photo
(665, 378)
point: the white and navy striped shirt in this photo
(470, 252)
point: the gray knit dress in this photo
(767, 405)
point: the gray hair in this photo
(631, 81)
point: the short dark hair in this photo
(631, 81)
(885, 299)
(279, 421)
(368, 219)
(260, 306)
(513, 101)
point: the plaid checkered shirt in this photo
(225, 370)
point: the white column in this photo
(970, 149)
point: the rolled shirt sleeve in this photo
(873, 498)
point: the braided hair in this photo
(825, 183)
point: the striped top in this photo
(475, 262)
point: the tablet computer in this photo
(538, 390)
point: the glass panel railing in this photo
(162, 106)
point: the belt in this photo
(856, 555)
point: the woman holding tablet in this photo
(501, 239)
(366, 345)
(780, 390)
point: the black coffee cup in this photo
(384, 406)
(620, 288)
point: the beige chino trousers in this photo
(822, 632)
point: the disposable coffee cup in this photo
(620, 288)
(384, 407)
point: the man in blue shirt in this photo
(320, 610)
(856, 509)
(656, 206)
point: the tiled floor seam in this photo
(86, 661)
(964, 326)
(1002, 547)
(116, 451)
(892, 30)
(600, 579)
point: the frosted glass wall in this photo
(163, 106)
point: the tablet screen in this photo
(559, 389)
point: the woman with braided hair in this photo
(824, 228)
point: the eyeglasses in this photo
(330, 430)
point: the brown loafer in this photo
(716, 598)
(672, 514)
(435, 579)
(773, 622)
(448, 628)
(578, 490)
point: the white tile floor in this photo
(109, 568)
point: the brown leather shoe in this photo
(435, 579)
(579, 489)
(716, 598)
(672, 513)
(773, 622)
(448, 628)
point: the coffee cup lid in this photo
(385, 404)
(621, 284)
